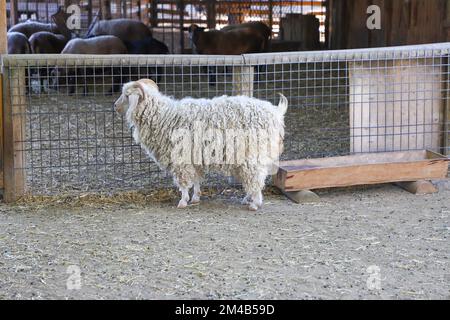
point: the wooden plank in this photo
(446, 107)
(395, 106)
(364, 158)
(13, 12)
(418, 187)
(211, 13)
(14, 105)
(312, 174)
(3, 28)
(154, 13)
(1, 134)
(3, 50)
(243, 79)
(302, 196)
(106, 9)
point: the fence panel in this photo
(63, 136)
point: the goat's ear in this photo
(137, 85)
(133, 100)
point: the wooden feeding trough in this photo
(411, 169)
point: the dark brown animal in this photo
(18, 43)
(125, 29)
(47, 42)
(255, 26)
(43, 42)
(233, 41)
(30, 27)
(98, 45)
(148, 45)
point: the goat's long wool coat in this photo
(226, 134)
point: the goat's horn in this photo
(139, 85)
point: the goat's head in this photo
(133, 93)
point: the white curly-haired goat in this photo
(234, 135)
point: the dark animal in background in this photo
(18, 43)
(234, 41)
(98, 45)
(125, 29)
(30, 27)
(255, 26)
(147, 45)
(45, 42)
(136, 36)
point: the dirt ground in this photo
(374, 242)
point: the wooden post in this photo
(145, 13)
(243, 77)
(3, 28)
(106, 10)
(13, 12)
(89, 9)
(181, 11)
(446, 107)
(139, 15)
(211, 13)
(2, 164)
(14, 121)
(124, 9)
(418, 187)
(271, 14)
(3, 50)
(154, 14)
(397, 107)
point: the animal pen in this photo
(170, 19)
(340, 103)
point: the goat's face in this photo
(132, 94)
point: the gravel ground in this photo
(337, 248)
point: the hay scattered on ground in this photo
(134, 198)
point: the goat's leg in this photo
(257, 200)
(184, 178)
(197, 192)
(184, 197)
(247, 199)
(253, 182)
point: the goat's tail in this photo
(283, 104)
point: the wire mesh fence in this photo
(63, 135)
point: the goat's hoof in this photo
(195, 200)
(182, 204)
(252, 207)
